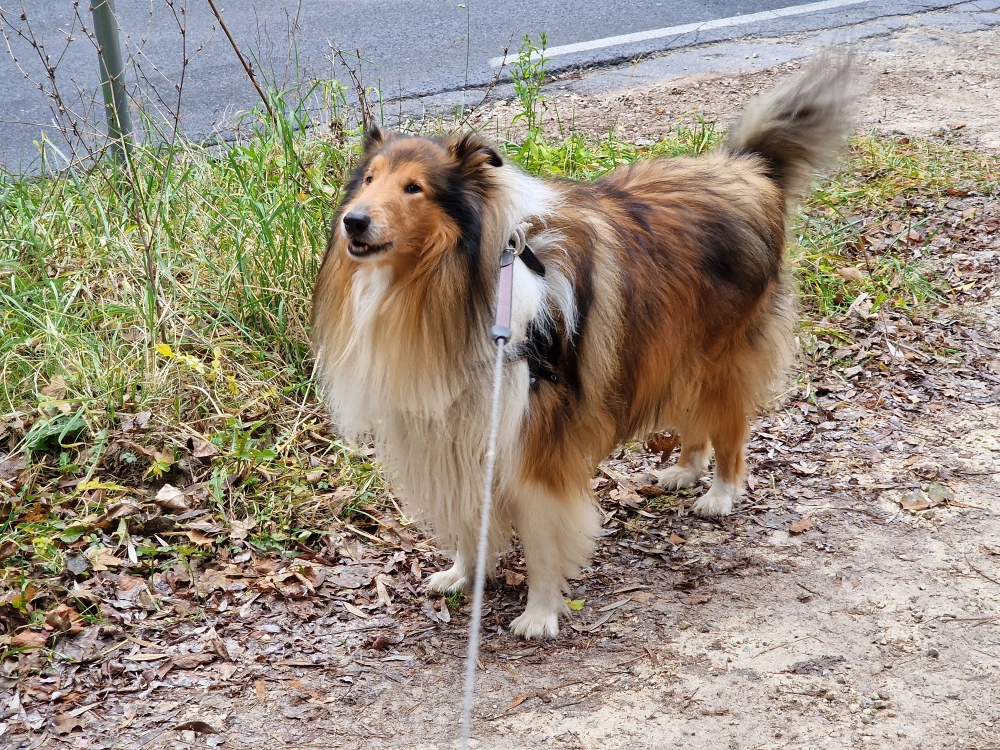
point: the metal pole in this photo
(109, 55)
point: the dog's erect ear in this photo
(374, 138)
(472, 153)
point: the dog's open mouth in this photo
(362, 250)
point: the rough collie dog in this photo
(664, 304)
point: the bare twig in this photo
(984, 575)
(243, 61)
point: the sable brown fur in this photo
(665, 305)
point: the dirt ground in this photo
(852, 601)
(917, 81)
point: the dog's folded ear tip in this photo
(374, 137)
(474, 150)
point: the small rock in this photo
(830, 695)
(939, 494)
(932, 653)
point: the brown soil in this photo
(833, 610)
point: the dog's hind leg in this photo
(729, 440)
(459, 576)
(558, 537)
(691, 465)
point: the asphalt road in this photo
(410, 47)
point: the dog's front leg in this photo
(459, 576)
(558, 537)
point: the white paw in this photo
(718, 501)
(677, 477)
(537, 624)
(452, 579)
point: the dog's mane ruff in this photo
(542, 302)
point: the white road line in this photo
(719, 23)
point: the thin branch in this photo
(243, 62)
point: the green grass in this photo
(888, 185)
(178, 288)
(142, 310)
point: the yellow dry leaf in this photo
(164, 350)
(101, 559)
(576, 604)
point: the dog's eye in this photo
(414, 188)
(368, 180)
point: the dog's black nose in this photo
(357, 223)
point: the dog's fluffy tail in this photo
(799, 126)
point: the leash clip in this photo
(505, 297)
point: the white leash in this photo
(481, 552)
(501, 334)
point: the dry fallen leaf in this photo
(382, 589)
(677, 540)
(650, 490)
(8, 549)
(56, 389)
(805, 469)
(695, 599)
(939, 494)
(355, 611)
(199, 537)
(663, 443)
(218, 645)
(239, 530)
(513, 578)
(260, 688)
(29, 639)
(66, 723)
(191, 661)
(145, 657)
(517, 701)
(64, 619)
(801, 526)
(170, 498)
(101, 559)
(195, 726)
(202, 448)
(850, 273)
(118, 511)
(914, 502)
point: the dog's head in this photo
(412, 198)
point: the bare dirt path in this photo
(853, 601)
(918, 81)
